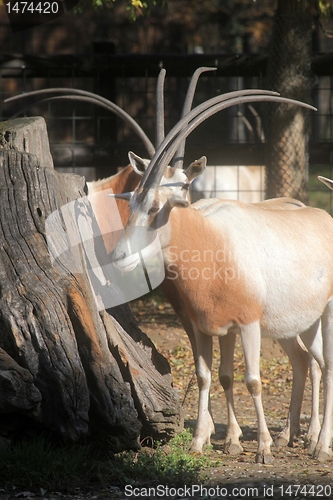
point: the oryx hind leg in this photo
(311, 438)
(299, 359)
(250, 335)
(318, 340)
(232, 445)
(323, 448)
(314, 339)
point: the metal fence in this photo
(90, 141)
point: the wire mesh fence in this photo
(90, 141)
(289, 72)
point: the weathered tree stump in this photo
(64, 366)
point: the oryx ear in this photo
(196, 168)
(327, 182)
(139, 164)
(178, 201)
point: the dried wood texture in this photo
(64, 366)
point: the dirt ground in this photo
(293, 474)
(292, 466)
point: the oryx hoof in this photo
(281, 441)
(196, 448)
(310, 443)
(310, 446)
(322, 455)
(264, 458)
(232, 448)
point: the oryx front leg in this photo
(226, 375)
(205, 425)
(250, 335)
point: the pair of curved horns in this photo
(159, 121)
(85, 96)
(191, 120)
(174, 143)
(82, 95)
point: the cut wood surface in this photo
(65, 367)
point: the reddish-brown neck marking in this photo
(123, 182)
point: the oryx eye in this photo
(153, 210)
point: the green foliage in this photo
(134, 7)
(97, 4)
(36, 465)
(170, 464)
(326, 8)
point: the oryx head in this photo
(152, 202)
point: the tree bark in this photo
(64, 366)
(288, 72)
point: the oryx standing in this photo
(270, 270)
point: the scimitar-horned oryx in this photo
(274, 274)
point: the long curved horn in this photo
(90, 97)
(326, 181)
(179, 156)
(219, 107)
(199, 114)
(189, 116)
(159, 116)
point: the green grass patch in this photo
(169, 464)
(40, 465)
